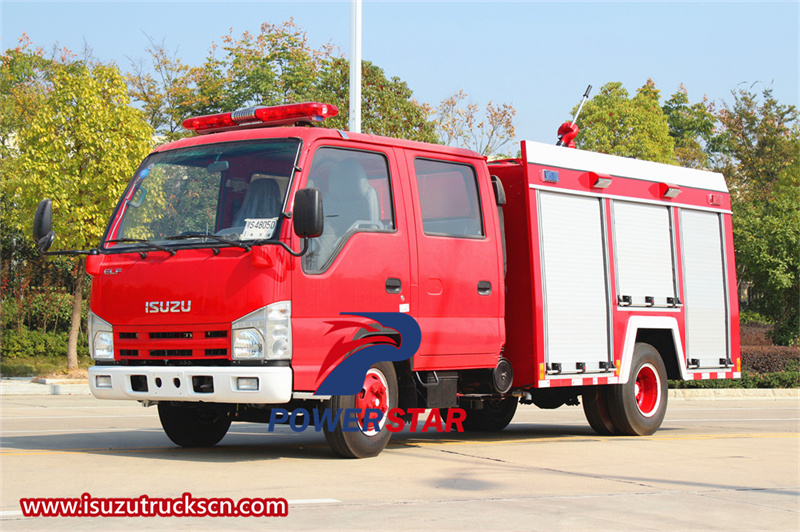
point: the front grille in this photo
(180, 342)
(171, 353)
(170, 335)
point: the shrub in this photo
(769, 359)
(785, 379)
(755, 334)
(32, 353)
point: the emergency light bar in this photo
(278, 115)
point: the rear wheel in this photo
(495, 415)
(595, 407)
(192, 425)
(379, 392)
(637, 407)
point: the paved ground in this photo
(713, 465)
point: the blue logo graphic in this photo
(377, 345)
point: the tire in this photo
(379, 391)
(637, 407)
(595, 407)
(193, 425)
(495, 415)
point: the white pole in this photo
(355, 66)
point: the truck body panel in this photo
(600, 257)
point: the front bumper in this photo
(145, 383)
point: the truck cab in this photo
(199, 299)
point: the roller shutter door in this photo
(704, 288)
(643, 246)
(574, 281)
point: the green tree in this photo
(79, 148)
(387, 104)
(692, 128)
(758, 142)
(759, 153)
(25, 275)
(460, 123)
(767, 239)
(612, 122)
(161, 91)
(274, 67)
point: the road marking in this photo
(420, 443)
(87, 430)
(79, 417)
(666, 421)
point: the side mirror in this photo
(43, 226)
(309, 220)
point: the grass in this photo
(50, 366)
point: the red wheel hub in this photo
(374, 395)
(648, 390)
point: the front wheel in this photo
(359, 439)
(192, 425)
(637, 407)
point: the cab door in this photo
(459, 263)
(360, 263)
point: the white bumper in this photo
(175, 383)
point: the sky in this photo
(538, 56)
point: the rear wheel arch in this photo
(663, 341)
(663, 334)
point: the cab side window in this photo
(356, 197)
(448, 195)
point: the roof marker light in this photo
(278, 115)
(600, 180)
(669, 191)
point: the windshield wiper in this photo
(142, 241)
(197, 234)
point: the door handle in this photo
(484, 288)
(393, 285)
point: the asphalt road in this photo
(731, 465)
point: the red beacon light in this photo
(279, 115)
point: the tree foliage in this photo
(160, 90)
(387, 104)
(459, 122)
(759, 153)
(276, 66)
(79, 148)
(78, 145)
(612, 122)
(692, 127)
(757, 143)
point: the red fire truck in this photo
(222, 278)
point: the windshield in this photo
(211, 194)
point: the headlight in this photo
(247, 344)
(264, 334)
(101, 338)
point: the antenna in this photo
(569, 130)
